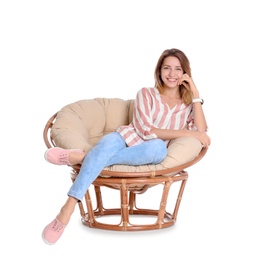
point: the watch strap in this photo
(196, 100)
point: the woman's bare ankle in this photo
(76, 158)
(67, 211)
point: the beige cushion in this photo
(82, 124)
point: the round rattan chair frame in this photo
(129, 184)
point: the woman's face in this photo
(171, 71)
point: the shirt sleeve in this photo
(142, 114)
(191, 122)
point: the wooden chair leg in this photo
(163, 203)
(180, 194)
(132, 202)
(124, 205)
(90, 212)
(81, 208)
(99, 202)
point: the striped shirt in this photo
(151, 111)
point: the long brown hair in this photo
(185, 94)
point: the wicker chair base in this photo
(128, 188)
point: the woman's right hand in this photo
(202, 137)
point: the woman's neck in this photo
(172, 93)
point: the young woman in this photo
(170, 109)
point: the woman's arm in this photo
(142, 117)
(199, 117)
(166, 134)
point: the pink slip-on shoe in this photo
(59, 156)
(53, 231)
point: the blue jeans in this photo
(112, 149)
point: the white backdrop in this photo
(56, 52)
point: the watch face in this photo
(202, 101)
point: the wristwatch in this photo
(195, 100)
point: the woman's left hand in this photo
(188, 83)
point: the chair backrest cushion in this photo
(81, 125)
